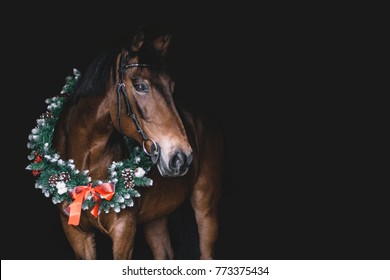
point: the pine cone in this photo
(128, 178)
(46, 115)
(52, 181)
(129, 184)
(64, 176)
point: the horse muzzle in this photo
(177, 165)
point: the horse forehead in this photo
(155, 76)
(153, 72)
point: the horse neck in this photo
(86, 135)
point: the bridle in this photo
(121, 90)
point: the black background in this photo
(291, 190)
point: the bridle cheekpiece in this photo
(121, 90)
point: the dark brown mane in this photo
(94, 80)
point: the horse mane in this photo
(94, 81)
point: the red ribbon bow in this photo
(80, 193)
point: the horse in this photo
(128, 92)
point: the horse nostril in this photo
(189, 160)
(178, 161)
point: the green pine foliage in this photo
(49, 168)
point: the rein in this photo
(154, 153)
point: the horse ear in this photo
(137, 40)
(152, 36)
(161, 43)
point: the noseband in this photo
(121, 90)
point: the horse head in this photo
(143, 107)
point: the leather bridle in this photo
(121, 90)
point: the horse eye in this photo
(141, 88)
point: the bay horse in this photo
(128, 92)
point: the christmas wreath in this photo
(62, 181)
